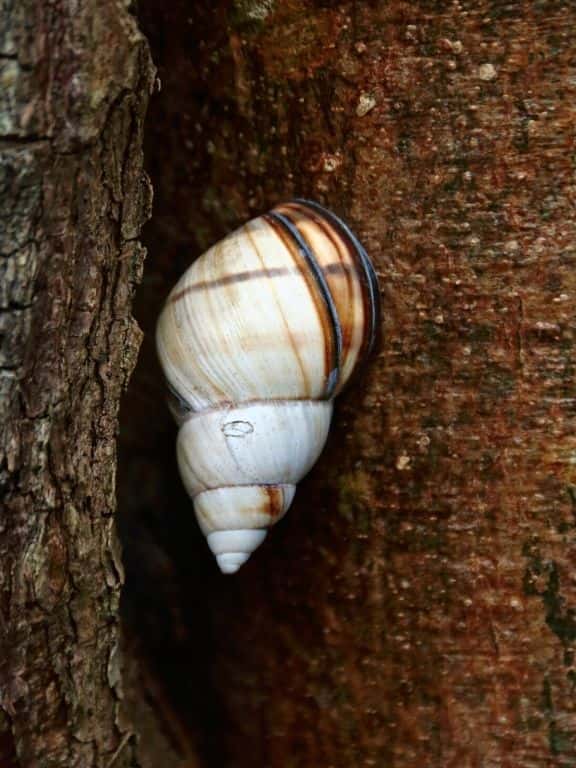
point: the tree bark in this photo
(417, 605)
(74, 85)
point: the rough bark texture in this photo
(74, 84)
(417, 605)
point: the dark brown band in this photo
(366, 269)
(334, 268)
(325, 294)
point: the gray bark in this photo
(74, 84)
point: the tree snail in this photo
(255, 340)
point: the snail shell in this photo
(256, 339)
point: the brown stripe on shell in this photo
(349, 270)
(293, 341)
(352, 252)
(325, 321)
(237, 277)
(215, 386)
(275, 494)
(333, 268)
(339, 268)
(368, 279)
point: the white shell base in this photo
(241, 465)
(233, 548)
(238, 507)
(230, 562)
(260, 443)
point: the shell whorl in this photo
(255, 340)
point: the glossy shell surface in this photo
(282, 308)
(255, 340)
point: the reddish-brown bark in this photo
(417, 605)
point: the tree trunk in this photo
(417, 604)
(74, 85)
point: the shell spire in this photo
(255, 340)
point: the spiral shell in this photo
(256, 339)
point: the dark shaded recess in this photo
(175, 602)
(170, 578)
